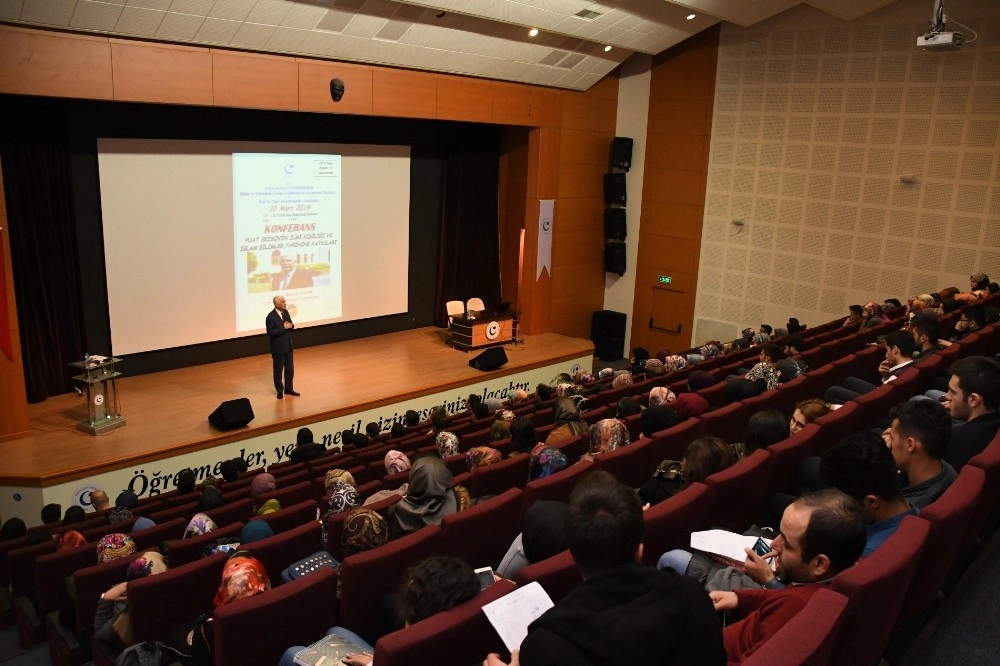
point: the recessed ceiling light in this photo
(690, 16)
(533, 32)
(607, 48)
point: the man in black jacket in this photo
(305, 447)
(623, 612)
(973, 397)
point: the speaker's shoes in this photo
(295, 393)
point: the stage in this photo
(166, 413)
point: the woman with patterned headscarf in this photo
(396, 462)
(566, 419)
(243, 577)
(200, 524)
(446, 443)
(111, 622)
(338, 476)
(480, 456)
(660, 395)
(872, 315)
(342, 497)
(605, 436)
(363, 530)
(261, 485)
(114, 545)
(673, 363)
(429, 497)
(546, 462)
(622, 379)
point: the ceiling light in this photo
(690, 16)
(533, 32)
(607, 48)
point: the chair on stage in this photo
(474, 305)
(455, 309)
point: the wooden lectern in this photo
(99, 376)
(468, 334)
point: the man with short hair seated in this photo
(821, 535)
(899, 347)
(917, 439)
(623, 612)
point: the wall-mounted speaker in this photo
(614, 258)
(614, 223)
(614, 188)
(621, 153)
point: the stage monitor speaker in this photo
(607, 330)
(614, 258)
(614, 188)
(621, 153)
(614, 223)
(491, 359)
(232, 414)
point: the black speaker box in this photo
(491, 359)
(614, 223)
(614, 258)
(232, 414)
(614, 188)
(607, 330)
(621, 153)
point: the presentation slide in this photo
(287, 206)
(200, 236)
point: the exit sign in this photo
(665, 279)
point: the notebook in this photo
(328, 651)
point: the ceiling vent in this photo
(588, 14)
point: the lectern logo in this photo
(98, 399)
(493, 331)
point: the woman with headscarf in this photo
(113, 546)
(543, 535)
(70, 539)
(341, 498)
(546, 462)
(261, 485)
(210, 498)
(566, 419)
(199, 524)
(657, 418)
(338, 476)
(627, 407)
(660, 395)
(270, 506)
(688, 405)
(499, 430)
(522, 435)
(700, 379)
(622, 379)
(255, 530)
(481, 456)
(446, 443)
(605, 436)
(704, 456)
(429, 497)
(243, 576)
(396, 462)
(872, 315)
(363, 530)
(111, 621)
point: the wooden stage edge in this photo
(166, 413)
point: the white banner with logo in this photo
(545, 208)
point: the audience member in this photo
(99, 500)
(429, 497)
(807, 411)
(899, 347)
(704, 456)
(481, 456)
(13, 528)
(566, 421)
(51, 513)
(917, 439)
(124, 503)
(543, 534)
(605, 436)
(198, 525)
(546, 462)
(305, 447)
(74, 514)
(395, 462)
(622, 612)
(522, 435)
(657, 419)
(973, 397)
(111, 621)
(446, 443)
(821, 535)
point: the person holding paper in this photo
(279, 331)
(821, 535)
(623, 612)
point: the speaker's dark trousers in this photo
(283, 363)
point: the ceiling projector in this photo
(941, 41)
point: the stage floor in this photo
(166, 413)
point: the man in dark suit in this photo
(291, 277)
(279, 326)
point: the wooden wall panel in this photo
(461, 98)
(14, 415)
(577, 247)
(513, 203)
(161, 73)
(589, 113)
(585, 215)
(546, 107)
(511, 104)
(574, 313)
(53, 64)
(314, 87)
(255, 81)
(682, 89)
(397, 92)
(585, 147)
(582, 181)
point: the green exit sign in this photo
(666, 279)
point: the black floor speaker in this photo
(607, 330)
(491, 359)
(232, 414)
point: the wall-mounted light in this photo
(533, 32)
(607, 48)
(690, 17)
